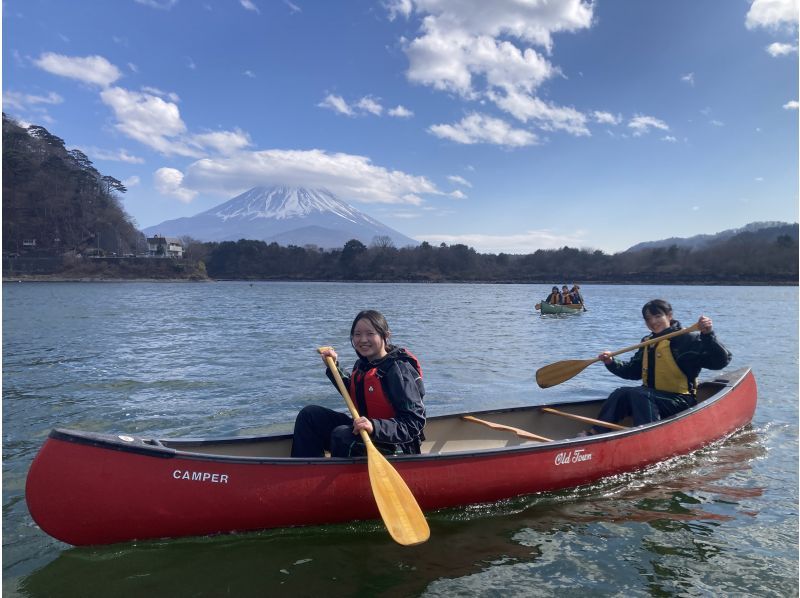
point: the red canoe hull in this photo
(92, 489)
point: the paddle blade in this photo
(398, 507)
(561, 371)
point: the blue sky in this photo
(505, 125)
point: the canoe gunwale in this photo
(154, 448)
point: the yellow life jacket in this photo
(669, 376)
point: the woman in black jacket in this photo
(668, 370)
(386, 387)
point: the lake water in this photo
(238, 358)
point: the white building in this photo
(158, 246)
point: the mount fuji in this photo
(285, 215)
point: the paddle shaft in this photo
(343, 390)
(496, 426)
(694, 327)
(581, 418)
(652, 341)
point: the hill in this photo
(55, 200)
(766, 232)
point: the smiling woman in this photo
(386, 385)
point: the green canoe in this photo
(548, 308)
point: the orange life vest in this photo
(376, 403)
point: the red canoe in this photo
(86, 488)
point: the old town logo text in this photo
(576, 456)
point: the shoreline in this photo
(57, 278)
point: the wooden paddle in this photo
(561, 371)
(398, 507)
(588, 420)
(517, 431)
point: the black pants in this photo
(319, 429)
(643, 404)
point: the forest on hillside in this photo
(55, 201)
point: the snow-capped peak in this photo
(285, 215)
(280, 203)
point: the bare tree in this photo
(382, 242)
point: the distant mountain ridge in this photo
(285, 215)
(770, 230)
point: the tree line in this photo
(767, 256)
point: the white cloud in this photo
(606, 118)
(171, 96)
(352, 177)
(480, 128)
(168, 181)
(24, 101)
(459, 180)
(643, 124)
(337, 104)
(525, 242)
(716, 123)
(669, 138)
(249, 73)
(370, 105)
(366, 105)
(688, 78)
(133, 181)
(457, 194)
(399, 7)
(400, 111)
(480, 50)
(773, 14)
(148, 119)
(94, 70)
(223, 142)
(778, 49)
(162, 4)
(530, 108)
(119, 155)
(532, 22)
(292, 7)
(249, 5)
(791, 105)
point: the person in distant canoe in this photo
(668, 370)
(565, 296)
(387, 390)
(575, 293)
(554, 298)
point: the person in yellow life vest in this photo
(386, 387)
(567, 298)
(668, 370)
